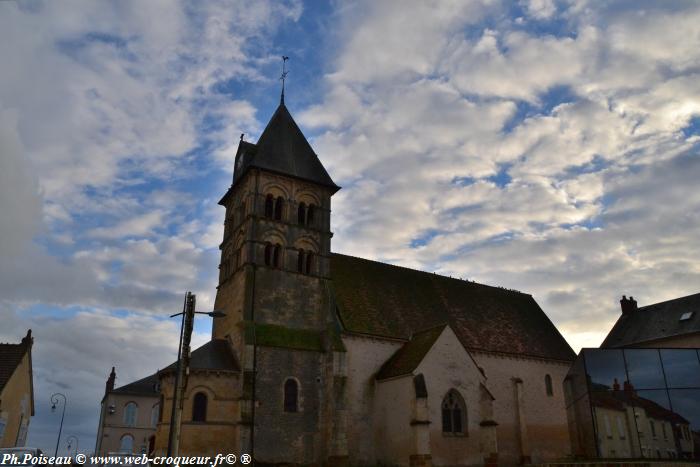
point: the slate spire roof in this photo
(282, 148)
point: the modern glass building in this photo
(634, 403)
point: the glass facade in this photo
(634, 403)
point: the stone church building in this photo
(329, 359)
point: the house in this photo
(16, 391)
(128, 416)
(673, 323)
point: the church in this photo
(329, 359)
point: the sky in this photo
(545, 146)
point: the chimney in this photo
(628, 305)
(109, 387)
(616, 385)
(28, 338)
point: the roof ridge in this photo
(398, 266)
(669, 301)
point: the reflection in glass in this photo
(686, 403)
(605, 367)
(644, 368)
(682, 367)
(657, 396)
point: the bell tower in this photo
(274, 286)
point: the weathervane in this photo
(284, 75)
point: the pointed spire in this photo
(284, 76)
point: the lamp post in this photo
(55, 400)
(182, 367)
(71, 439)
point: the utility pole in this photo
(182, 369)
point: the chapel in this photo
(329, 359)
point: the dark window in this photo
(276, 255)
(279, 205)
(161, 407)
(300, 261)
(310, 214)
(454, 414)
(291, 396)
(301, 214)
(199, 407)
(268, 254)
(548, 385)
(269, 202)
(309, 262)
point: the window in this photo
(155, 414)
(301, 214)
(279, 205)
(310, 214)
(269, 202)
(161, 407)
(127, 444)
(291, 395)
(199, 407)
(548, 385)
(130, 410)
(268, 254)
(653, 428)
(300, 261)
(621, 428)
(454, 414)
(276, 255)
(663, 429)
(309, 262)
(608, 428)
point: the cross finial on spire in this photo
(284, 75)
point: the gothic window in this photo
(309, 262)
(310, 214)
(300, 261)
(291, 395)
(301, 214)
(127, 444)
(199, 407)
(276, 255)
(279, 205)
(130, 411)
(454, 414)
(268, 254)
(548, 385)
(269, 206)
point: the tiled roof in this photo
(384, 300)
(656, 321)
(10, 357)
(282, 148)
(409, 356)
(147, 386)
(214, 355)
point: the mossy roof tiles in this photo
(384, 300)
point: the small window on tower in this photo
(199, 407)
(269, 206)
(291, 395)
(548, 385)
(268, 254)
(279, 205)
(300, 261)
(276, 255)
(309, 262)
(301, 214)
(310, 214)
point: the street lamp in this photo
(72, 438)
(55, 400)
(183, 353)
